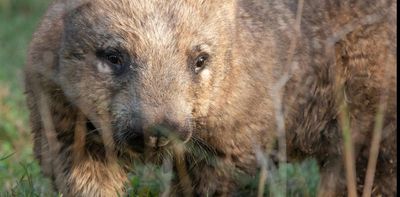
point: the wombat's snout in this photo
(159, 134)
(135, 139)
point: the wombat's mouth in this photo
(153, 139)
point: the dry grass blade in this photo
(376, 139)
(181, 170)
(263, 173)
(348, 151)
(373, 155)
(79, 139)
(167, 164)
(48, 127)
(277, 94)
(263, 178)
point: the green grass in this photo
(19, 172)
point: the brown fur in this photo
(344, 52)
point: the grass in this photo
(20, 173)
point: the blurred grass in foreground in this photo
(20, 173)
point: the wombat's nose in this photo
(167, 131)
(136, 140)
(159, 135)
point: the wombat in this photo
(112, 81)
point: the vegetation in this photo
(19, 172)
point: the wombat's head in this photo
(155, 66)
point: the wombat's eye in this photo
(200, 63)
(116, 62)
(114, 59)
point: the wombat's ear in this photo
(73, 9)
(74, 4)
(78, 16)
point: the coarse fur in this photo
(91, 118)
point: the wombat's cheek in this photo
(102, 67)
(85, 89)
(126, 126)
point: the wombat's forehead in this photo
(142, 10)
(151, 20)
